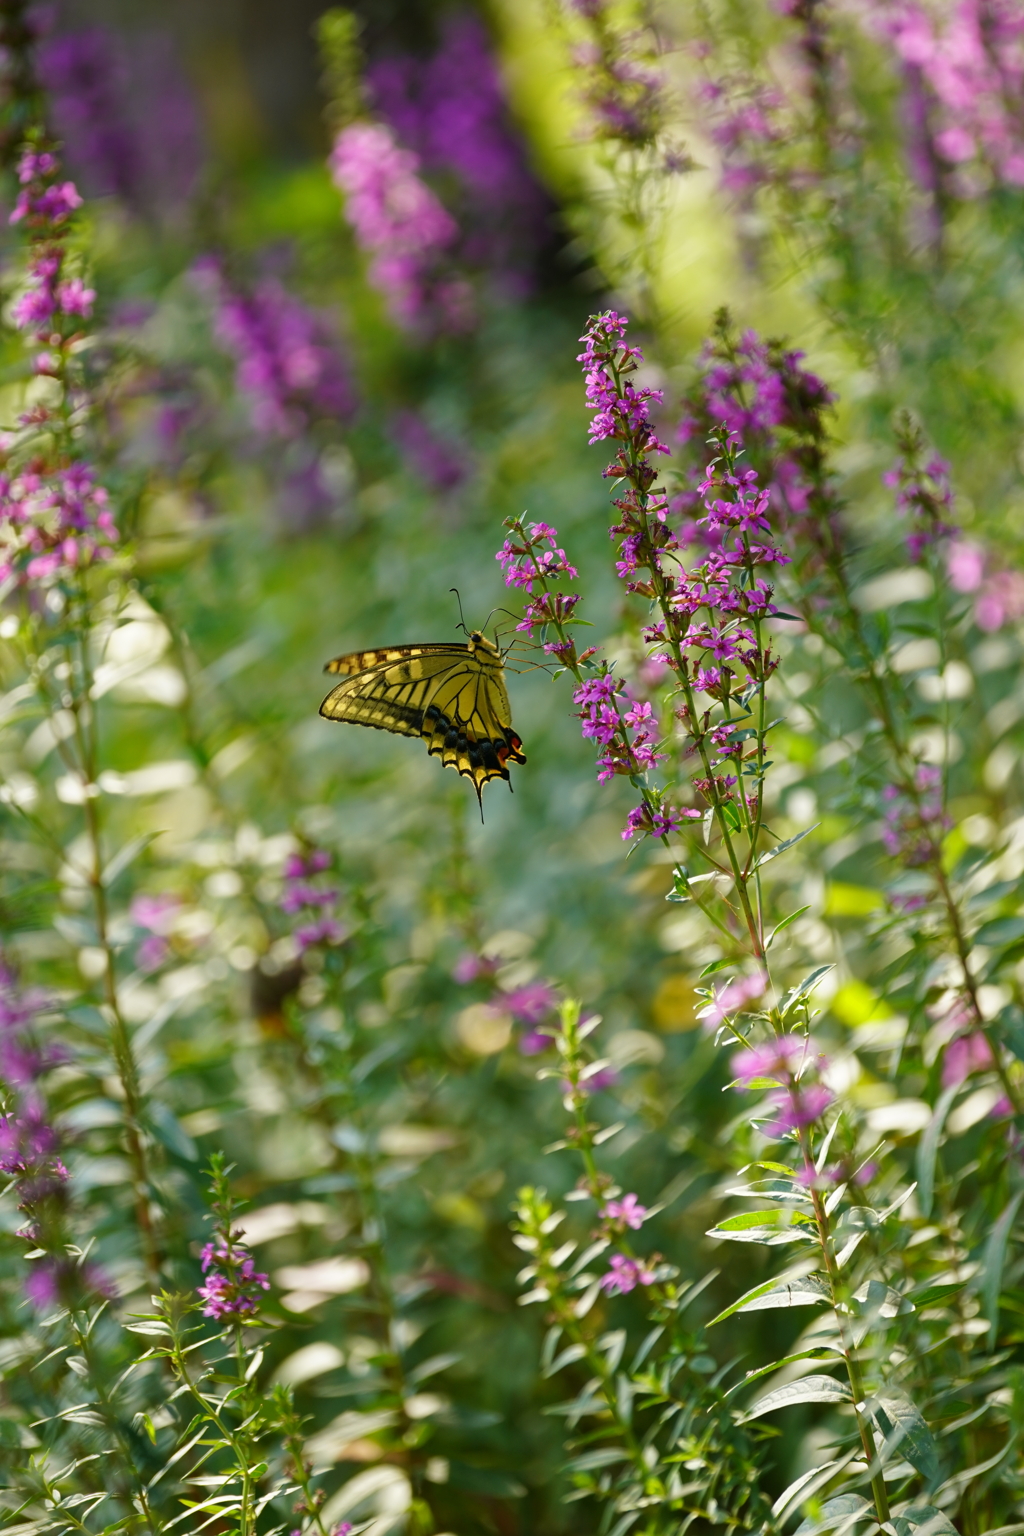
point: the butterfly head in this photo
(479, 644)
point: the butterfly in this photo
(451, 694)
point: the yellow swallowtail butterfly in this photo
(453, 695)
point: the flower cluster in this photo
(620, 81)
(744, 121)
(998, 594)
(157, 916)
(625, 1274)
(783, 1061)
(764, 396)
(915, 818)
(436, 457)
(232, 1286)
(401, 223)
(127, 114)
(967, 60)
(289, 366)
(54, 519)
(30, 1146)
(450, 110)
(923, 493)
(316, 903)
(534, 557)
(732, 999)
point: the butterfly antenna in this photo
(461, 625)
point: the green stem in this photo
(849, 1348)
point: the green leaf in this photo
(843, 1511)
(818, 1352)
(591, 1460)
(716, 965)
(773, 853)
(809, 1389)
(924, 1520)
(802, 1489)
(169, 1130)
(1000, 931)
(770, 1227)
(785, 924)
(927, 1149)
(1011, 1028)
(806, 1292)
(903, 1425)
(124, 856)
(935, 1293)
(792, 998)
(993, 1259)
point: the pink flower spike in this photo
(777, 1059)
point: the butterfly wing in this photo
(364, 661)
(452, 695)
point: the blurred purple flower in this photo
(289, 364)
(450, 110)
(796, 1107)
(732, 999)
(126, 113)
(152, 953)
(531, 1003)
(303, 897)
(470, 967)
(628, 1210)
(999, 594)
(625, 1275)
(965, 64)
(965, 1055)
(437, 459)
(400, 222)
(157, 913)
(915, 819)
(777, 1058)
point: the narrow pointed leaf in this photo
(809, 1389)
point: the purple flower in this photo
(302, 896)
(437, 459)
(450, 110)
(627, 1210)
(524, 564)
(965, 62)
(158, 913)
(54, 519)
(531, 1003)
(659, 821)
(396, 217)
(126, 113)
(152, 953)
(289, 365)
(776, 1058)
(965, 1055)
(625, 1275)
(733, 998)
(232, 1285)
(470, 967)
(915, 820)
(534, 1042)
(796, 1107)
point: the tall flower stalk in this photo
(57, 535)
